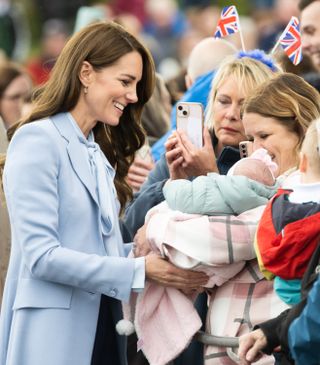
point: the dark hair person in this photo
(64, 184)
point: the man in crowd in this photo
(310, 29)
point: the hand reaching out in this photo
(138, 172)
(164, 273)
(250, 346)
(141, 246)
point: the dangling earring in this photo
(85, 89)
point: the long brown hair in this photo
(101, 44)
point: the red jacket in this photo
(287, 236)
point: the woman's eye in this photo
(125, 82)
(223, 101)
(264, 136)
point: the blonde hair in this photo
(310, 147)
(101, 44)
(288, 99)
(247, 72)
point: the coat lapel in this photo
(75, 152)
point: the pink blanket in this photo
(165, 319)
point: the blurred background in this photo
(33, 32)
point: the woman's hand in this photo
(141, 246)
(250, 346)
(196, 161)
(164, 273)
(138, 172)
(174, 158)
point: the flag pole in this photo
(241, 37)
(284, 32)
(240, 31)
(276, 45)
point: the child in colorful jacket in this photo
(289, 228)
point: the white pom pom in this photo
(125, 327)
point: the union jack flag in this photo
(228, 23)
(290, 41)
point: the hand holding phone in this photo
(190, 120)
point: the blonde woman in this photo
(234, 80)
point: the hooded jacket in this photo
(287, 236)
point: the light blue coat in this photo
(58, 266)
(217, 194)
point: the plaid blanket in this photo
(245, 299)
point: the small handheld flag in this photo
(229, 23)
(290, 41)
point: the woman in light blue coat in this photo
(64, 181)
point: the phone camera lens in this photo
(179, 107)
(184, 112)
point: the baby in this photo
(258, 167)
(249, 183)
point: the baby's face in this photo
(254, 169)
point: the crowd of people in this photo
(119, 239)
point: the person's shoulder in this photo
(41, 126)
(36, 133)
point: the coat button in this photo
(113, 292)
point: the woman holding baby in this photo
(275, 117)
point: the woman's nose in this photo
(233, 112)
(132, 96)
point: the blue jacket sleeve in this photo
(216, 194)
(149, 195)
(304, 334)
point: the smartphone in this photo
(245, 148)
(190, 120)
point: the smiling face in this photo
(310, 31)
(109, 91)
(268, 133)
(228, 126)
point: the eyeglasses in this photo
(25, 97)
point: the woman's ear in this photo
(85, 74)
